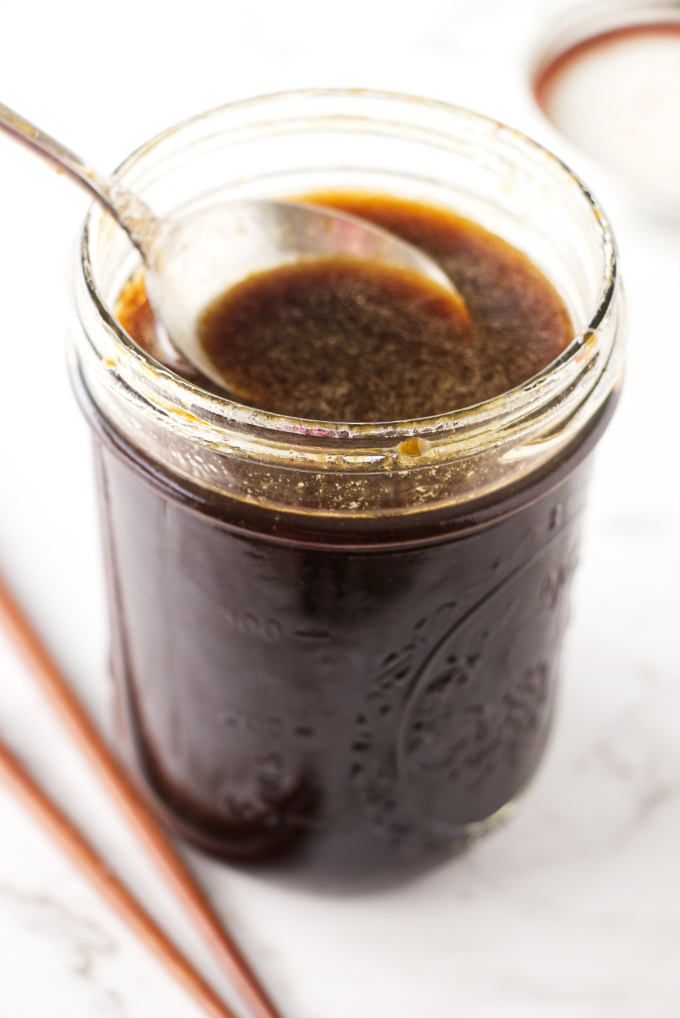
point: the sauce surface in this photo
(346, 340)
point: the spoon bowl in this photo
(235, 240)
(192, 259)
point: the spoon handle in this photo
(129, 211)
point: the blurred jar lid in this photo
(608, 77)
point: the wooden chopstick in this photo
(87, 860)
(55, 685)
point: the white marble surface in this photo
(571, 910)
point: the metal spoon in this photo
(192, 259)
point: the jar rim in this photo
(503, 409)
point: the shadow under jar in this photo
(337, 644)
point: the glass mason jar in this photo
(339, 642)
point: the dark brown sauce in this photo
(347, 710)
(342, 339)
(351, 695)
